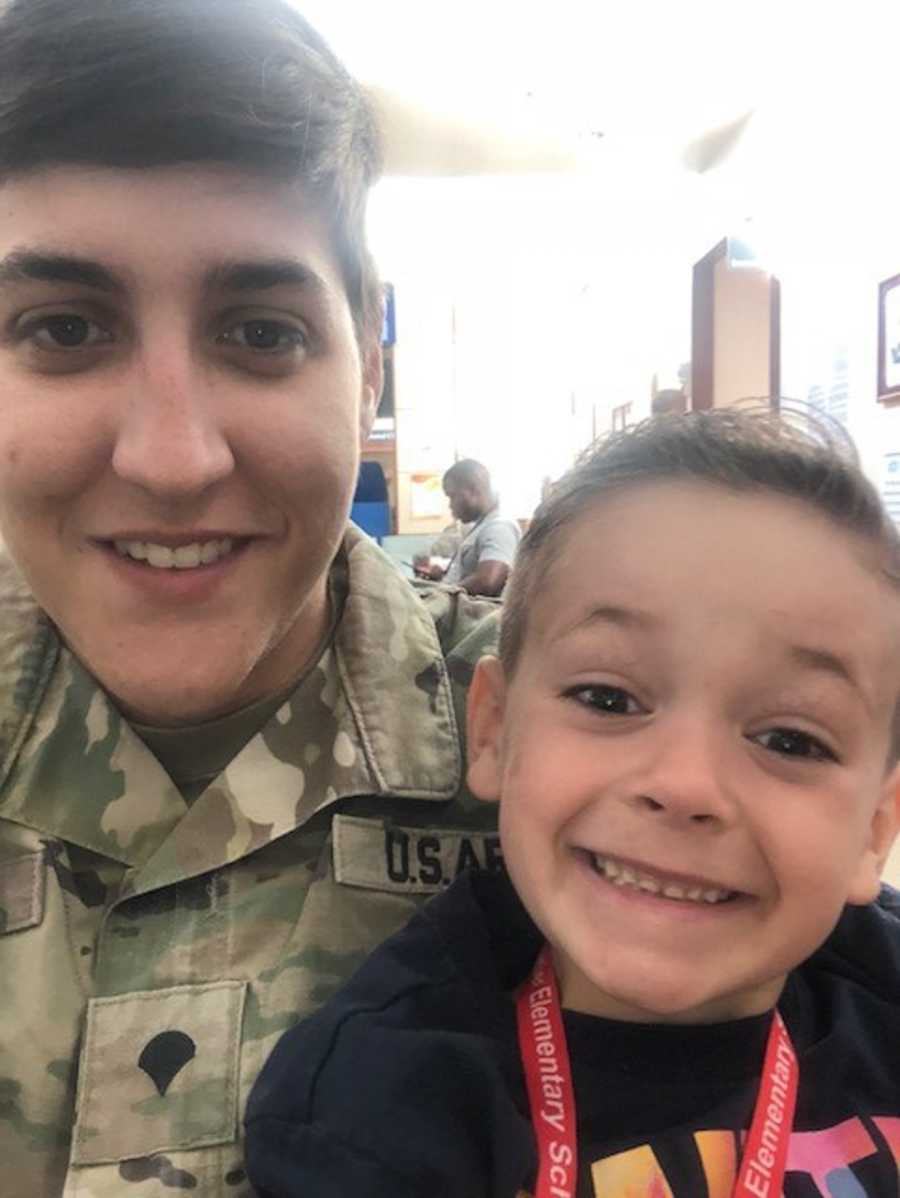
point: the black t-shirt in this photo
(408, 1084)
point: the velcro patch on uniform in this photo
(159, 1071)
(380, 855)
(22, 892)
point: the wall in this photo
(490, 359)
(527, 309)
(830, 345)
(424, 393)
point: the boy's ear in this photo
(484, 728)
(883, 833)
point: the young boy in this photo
(692, 732)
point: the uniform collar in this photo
(395, 678)
(374, 716)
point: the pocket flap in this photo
(22, 892)
(159, 1071)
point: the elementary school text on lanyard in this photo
(548, 1074)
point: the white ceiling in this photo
(492, 86)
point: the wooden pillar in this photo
(735, 334)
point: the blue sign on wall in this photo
(389, 328)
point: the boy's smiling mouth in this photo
(669, 886)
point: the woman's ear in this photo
(882, 834)
(372, 384)
(484, 729)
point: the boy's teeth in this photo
(185, 557)
(622, 875)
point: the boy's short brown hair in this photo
(795, 453)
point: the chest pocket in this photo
(159, 1072)
(21, 892)
(380, 855)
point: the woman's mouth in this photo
(182, 557)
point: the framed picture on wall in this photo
(889, 340)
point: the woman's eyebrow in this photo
(47, 266)
(25, 265)
(264, 273)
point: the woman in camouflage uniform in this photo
(229, 731)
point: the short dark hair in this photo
(143, 83)
(468, 473)
(795, 453)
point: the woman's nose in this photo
(170, 441)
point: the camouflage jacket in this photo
(151, 953)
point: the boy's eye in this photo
(266, 336)
(610, 699)
(792, 743)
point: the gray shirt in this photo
(493, 538)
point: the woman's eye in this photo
(65, 331)
(265, 336)
(790, 742)
(610, 699)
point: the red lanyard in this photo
(545, 1058)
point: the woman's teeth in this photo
(185, 557)
(624, 875)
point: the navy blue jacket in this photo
(408, 1084)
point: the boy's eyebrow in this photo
(610, 613)
(822, 660)
(20, 266)
(826, 662)
(259, 275)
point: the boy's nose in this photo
(685, 777)
(169, 440)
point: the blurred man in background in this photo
(483, 559)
